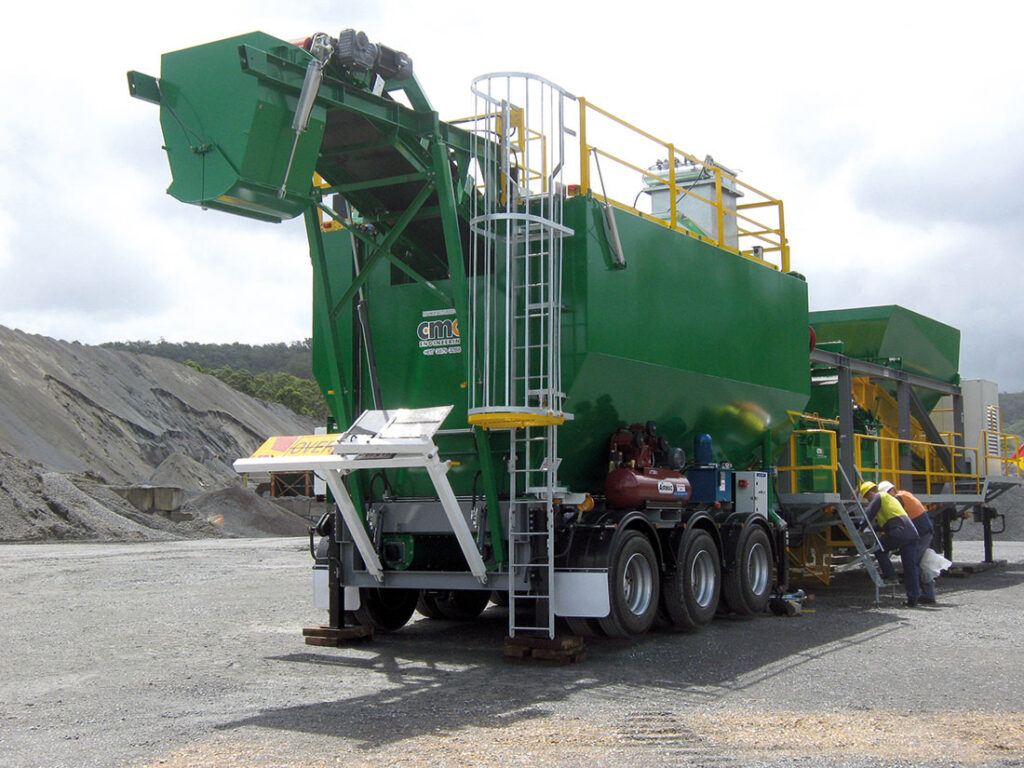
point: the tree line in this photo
(279, 373)
(1012, 407)
(295, 357)
(300, 395)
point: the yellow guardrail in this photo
(1003, 450)
(886, 453)
(813, 461)
(756, 236)
(822, 472)
(759, 221)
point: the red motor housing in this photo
(626, 487)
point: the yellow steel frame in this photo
(813, 558)
(327, 224)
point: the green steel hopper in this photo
(485, 269)
(673, 328)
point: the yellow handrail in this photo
(754, 237)
(1006, 455)
(768, 237)
(887, 453)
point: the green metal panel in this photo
(688, 335)
(814, 449)
(693, 337)
(228, 133)
(916, 343)
(925, 346)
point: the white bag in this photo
(932, 564)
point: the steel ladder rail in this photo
(857, 534)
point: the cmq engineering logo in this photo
(438, 334)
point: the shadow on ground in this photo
(443, 676)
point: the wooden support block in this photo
(336, 636)
(564, 642)
(517, 651)
(527, 649)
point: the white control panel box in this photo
(750, 492)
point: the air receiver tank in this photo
(644, 468)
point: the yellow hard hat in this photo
(866, 486)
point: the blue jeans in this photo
(925, 532)
(904, 538)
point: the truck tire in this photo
(583, 626)
(462, 604)
(748, 584)
(690, 593)
(426, 604)
(632, 587)
(386, 610)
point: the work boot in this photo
(911, 602)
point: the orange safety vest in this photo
(911, 504)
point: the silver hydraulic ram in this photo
(321, 49)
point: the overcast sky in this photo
(891, 131)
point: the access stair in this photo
(858, 527)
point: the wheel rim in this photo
(702, 578)
(637, 584)
(757, 568)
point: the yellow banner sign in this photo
(296, 445)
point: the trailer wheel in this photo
(690, 594)
(583, 626)
(748, 584)
(633, 587)
(426, 604)
(385, 609)
(500, 597)
(462, 604)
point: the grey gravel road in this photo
(190, 654)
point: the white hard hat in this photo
(885, 486)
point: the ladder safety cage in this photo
(515, 310)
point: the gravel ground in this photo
(189, 654)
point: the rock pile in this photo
(77, 421)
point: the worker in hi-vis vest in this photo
(925, 532)
(897, 532)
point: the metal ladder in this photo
(516, 318)
(533, 468)
(864, 538)
(534, 291)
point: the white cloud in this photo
(889, 129)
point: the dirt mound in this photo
(75, 418)
(25, 512)
(1011, 506)
(240, 512)
(47, 506)
(189, 475)
(73, 408)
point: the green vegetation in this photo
(278, 373)
(1012, 406)
(301, 395)
(295, 358)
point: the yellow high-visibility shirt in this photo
(888, 509)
